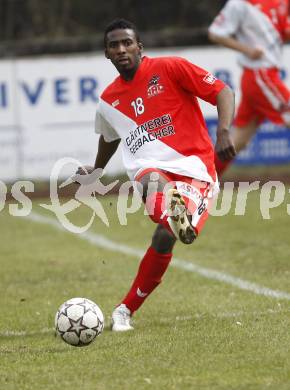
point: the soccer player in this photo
(152, 109)
(256, 29)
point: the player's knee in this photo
(163, 241)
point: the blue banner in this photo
(270, 145)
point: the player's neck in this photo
(129, 74)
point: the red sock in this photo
(155, 205)
(150, 272)
(220, 165)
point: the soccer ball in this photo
(79, 321)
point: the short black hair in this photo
(120, 24)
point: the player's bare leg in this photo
(287, 117)
(163, 241)
(243, 135)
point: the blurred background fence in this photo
(59, 26)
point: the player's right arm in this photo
(225, 26)
(232, 43)
(104, 154)
(108, 144)
(287, 30)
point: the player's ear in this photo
(106, 53)
(141, 47)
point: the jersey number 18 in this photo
(138, 106)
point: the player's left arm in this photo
(204, 85)
(287, 31)
(224, 147)
(231, 42)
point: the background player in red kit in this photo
(152, 109)
(256, 29)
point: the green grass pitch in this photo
(192, 333)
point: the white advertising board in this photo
(9, 127)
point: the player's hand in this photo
(82, 171)
(224, 146)
(255, 53)
(85, 170)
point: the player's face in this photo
(124, 51)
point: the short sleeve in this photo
(194, 79)
(228, 21)
(103, 127)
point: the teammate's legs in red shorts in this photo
(264, 96)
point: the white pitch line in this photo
(103, 242)
(22, 333)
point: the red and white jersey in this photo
(257, 23)
(158, 118)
